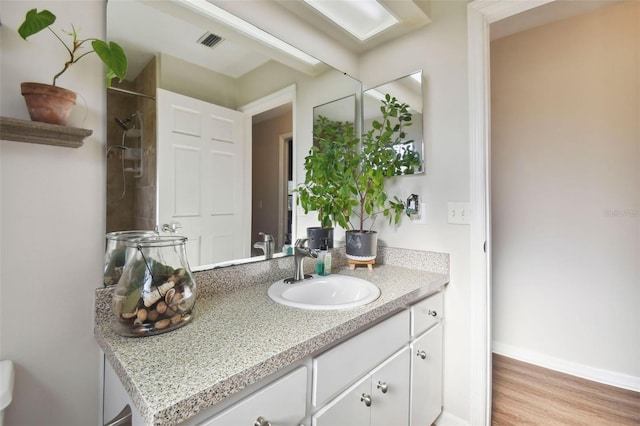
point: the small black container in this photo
(316, 234)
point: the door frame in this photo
(266, 103)
(480, 15)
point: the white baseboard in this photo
(448, 419)
(599, 375)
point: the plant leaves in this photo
(114, 58)
(35, 21)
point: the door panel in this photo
(201, 153)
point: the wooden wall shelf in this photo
(13, 129)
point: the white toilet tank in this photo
(6, 386)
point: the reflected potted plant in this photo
(49, 103)
(346, 177)
(333, 154)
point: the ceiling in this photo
(142, 29)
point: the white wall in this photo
(52, 229)
(566, 194)
(440, 51)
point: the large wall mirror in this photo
(406, 90)
(183, 52)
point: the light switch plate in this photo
(459, 213)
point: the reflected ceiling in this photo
(235, 56)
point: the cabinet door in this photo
(350, 408)
(426, 377)
(390, 391)
(280, 403)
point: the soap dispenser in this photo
(320, 259)
(327, 258)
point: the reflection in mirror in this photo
(407, 90)
(339, 110)
(170, 48)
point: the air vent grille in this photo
(209, 39)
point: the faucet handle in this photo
(301, 242)
(266, 237)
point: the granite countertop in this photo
(239, 336)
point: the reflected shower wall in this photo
(131, 194)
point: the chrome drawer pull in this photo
(422, 354)
(366, 399)
(261, 421)
(383, 387)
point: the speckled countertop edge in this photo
(239, 336)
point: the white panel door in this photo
(200, 177)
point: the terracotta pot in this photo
(47, 103)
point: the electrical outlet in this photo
(459, 213)
(421, 216)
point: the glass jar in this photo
(115, 253)
(157, 291)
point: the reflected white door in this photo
(200, 176)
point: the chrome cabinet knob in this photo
(261, 421)
(383, 386)
(422, 354)
(366, 399)
(432, 313)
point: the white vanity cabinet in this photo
(388, 374)
(412, 377)
(381, 398)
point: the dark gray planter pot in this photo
(315, 235)
(362, 245)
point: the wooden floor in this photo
(525, 394)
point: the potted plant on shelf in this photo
(50, 103)
(346, 177)
(333, 154)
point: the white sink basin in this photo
(325, 293)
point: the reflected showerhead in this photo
(121, 123)
(126, 124)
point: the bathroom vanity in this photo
(248, 360)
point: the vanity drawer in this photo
(342, 365)
(426, 314)
(282, 402)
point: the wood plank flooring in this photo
(525, 394)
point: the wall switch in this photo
(459, 213)
(421, 216)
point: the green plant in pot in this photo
(384, 153)
(53, 104)
(333, 154)
(345, 177)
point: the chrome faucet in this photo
(266, 245)
(300, 251)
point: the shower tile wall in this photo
(145, 200)
(136, 209)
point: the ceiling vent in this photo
(209, 39)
